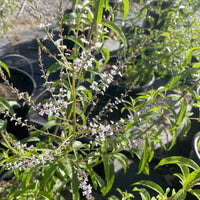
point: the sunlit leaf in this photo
(181, 114)
(6, 105)
(5, 67)
(98, 11)
(122, 159)
(46, 195)
(185, 170)
(187, 126)
(192, 52)
(145, 156)
(117, 30)
(180, 195)
(126, 8)
(195, 192)
(178, 160)
(143, 193)
(151, 185)
(109, 173)
(192, 177)
(27, 177)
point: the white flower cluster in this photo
(53, 106)
(86, 188)
(84, 61)
(18, 120)
(100, 131)
(29, 161)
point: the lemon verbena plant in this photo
(59, 159)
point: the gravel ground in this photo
(24, 19)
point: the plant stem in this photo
(74, 102)
(166, 111)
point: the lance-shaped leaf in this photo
(195, 192)
(122, 159)
(145, 156)
(74, 2)
(151, 185)
(109, 173)
(191, 178)
(180, 195)
(117, 30)
(181, 114)
(192, 52)
(178, 160)
(126, 8)
(75, 185)
(6, 105)
(5, 67)
(98, 11)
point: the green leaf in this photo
(180, 176)
(93, 177)
(117, 30)
(180, 195)
(53, 68)
(126, 8)
(49, 124)
(65, 167)
(165, 34)
(46, 195)
(74, 2)
(75, 185)
(81, 114)
(31, 139)
(192, 177)
(181, 114)
(195, 192)
(5, 67)
(185, 170)
(109, 173)
(3, 124)
(174, 82)
(145, 156)
(6, 105)
(178, 160)
(141, 1)
(192, 52)
(48, 175)
(27, 177)
(76, 40)
(98, 11)
(151, 185)
(99, 180)
(187, 126)
(105, 54)
(143, 193)
(37, 186)
(151, 151)
(122, 159)
(61, 174)
(107, 7)
(173, 142)
(113, 198)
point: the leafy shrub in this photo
(60, 157)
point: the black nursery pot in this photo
(195, 151)
(24, 83)
(117, 90)
(114, 114)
